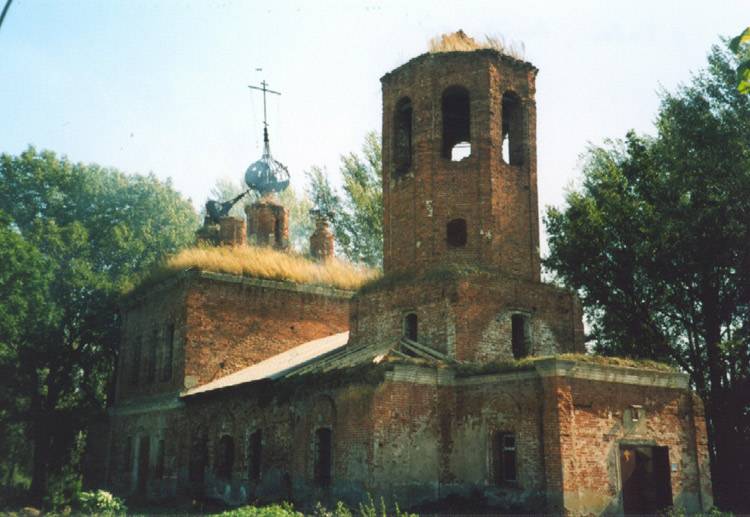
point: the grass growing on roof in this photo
(460, 42)
(527, 364)
(265, 263)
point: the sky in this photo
(162, 85)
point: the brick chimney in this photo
(232, 231)
(321, 241)
(208, 233)
(268, 223)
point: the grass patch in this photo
(460, 42)
(265, 263)
(528, 364)
(647, 364)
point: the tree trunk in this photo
(40, 463)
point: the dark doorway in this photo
(646, 483)
(143, 454)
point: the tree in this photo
(357, 218)
(658, 245)
(743, 68)
(88, 231)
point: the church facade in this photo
(459, 374)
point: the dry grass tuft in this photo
(460, 42)
(265, 263)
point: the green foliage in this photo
(101, 503)
(74, 237)
(275, 510)
(743, 69)
(357, 218)
(657, 243)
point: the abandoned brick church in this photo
(454, 375)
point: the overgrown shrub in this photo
(101, 503)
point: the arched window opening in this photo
(322, 467)
(224, 457)
(513, 141)
(143, 464)
(254, 455)
(127, 455)
(135, 371)
(402, 135)
(410, 326)
(151, 360)
(168, 354)
(504, 458)
(456, 232)
(198, 460)
(456, 121)
(520, 335)
(159, 470)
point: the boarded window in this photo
(410, 326)
(254, 455)
(456, 232)
(402, 135)
(519, 335)
(224, 457)
(322, 466)
(456, 122)
(159, 470)
(166, 373)
(504, 458)
(513, 139)
(135, 365)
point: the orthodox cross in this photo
(265, 121)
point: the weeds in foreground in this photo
(369, 509)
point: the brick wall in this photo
(221, 323)
(469, 317)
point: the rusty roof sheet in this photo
(279, 365)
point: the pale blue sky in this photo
(162, 85)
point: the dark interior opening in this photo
(518, 333)
(646, 479)
(456, 232)
(456, 120)
(225, 457)
(504, 458)
(410, 326)
(402, 135)
(513, 141)
(322, 470)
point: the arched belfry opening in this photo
(513, 141)
(456, 111)
(402, 136)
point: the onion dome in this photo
(267, 175)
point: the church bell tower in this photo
(459, 164)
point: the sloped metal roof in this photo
(279, 365)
